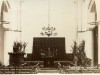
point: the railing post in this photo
(60, 69)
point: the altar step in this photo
(48, 70)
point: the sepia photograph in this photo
(49, 36)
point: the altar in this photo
(48, 50)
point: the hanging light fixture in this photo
(49, 31)
(81, 31)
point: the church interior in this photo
(68, 43)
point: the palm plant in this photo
(80, 55)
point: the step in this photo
(48, 71)
(48, 68)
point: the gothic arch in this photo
(94, 10)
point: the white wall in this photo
(35, 16)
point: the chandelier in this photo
(49, 31)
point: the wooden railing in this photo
(19, 70)
(79, 69)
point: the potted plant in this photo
(79, 52)
(19, 47)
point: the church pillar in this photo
(8, 45)
(99, 44)
(98, 19)
(1, 45)
(89, 48)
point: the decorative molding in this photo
(81, 31)
(90, 29)
(16, 30)
(4, 22)
(9, 29)
(94, 23)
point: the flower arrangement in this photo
(19, 47)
